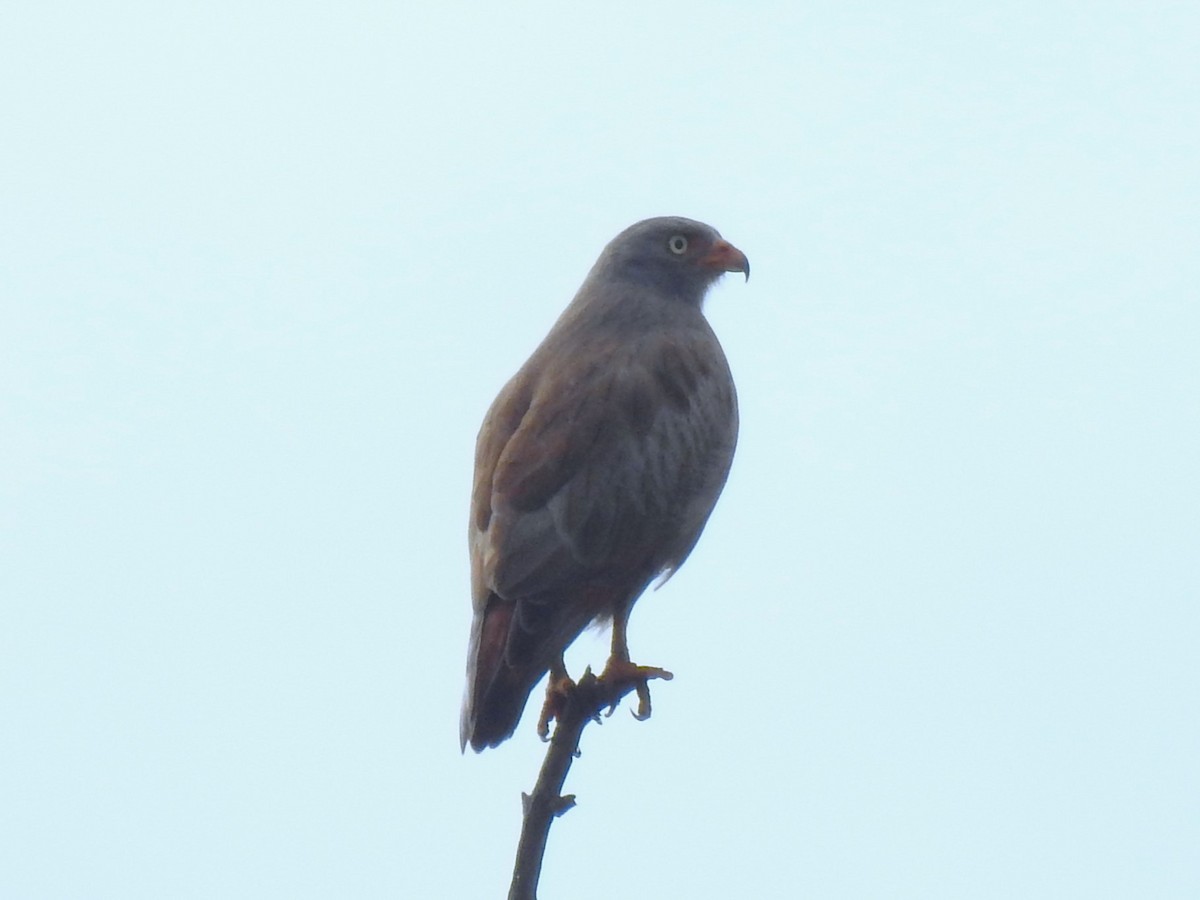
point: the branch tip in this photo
(584, 702)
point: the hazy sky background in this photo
(262, 269)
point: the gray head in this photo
(680, 256)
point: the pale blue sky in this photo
(264, 266)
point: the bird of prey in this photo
(597, 467)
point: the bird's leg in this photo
(619, 673)
(558, 691)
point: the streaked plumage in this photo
(598, 464)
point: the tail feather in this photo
(512, 647)
(497, 690)
(495, 717)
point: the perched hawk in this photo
(597, 465)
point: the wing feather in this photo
(629, 456)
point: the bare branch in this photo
(583, 703)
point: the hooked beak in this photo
(724, 257)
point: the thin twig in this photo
(583, 704)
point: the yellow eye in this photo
(677, 245)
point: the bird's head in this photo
(679, 256)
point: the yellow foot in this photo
(558, 694)
(620, 675)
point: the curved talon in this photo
(620, 676)
(599, 695)
(643, 694)
(558, 695)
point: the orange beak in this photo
(726, 258)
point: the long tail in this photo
(494, 718)
(501, 674)
(513, 644)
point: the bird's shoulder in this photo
(564, 409)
